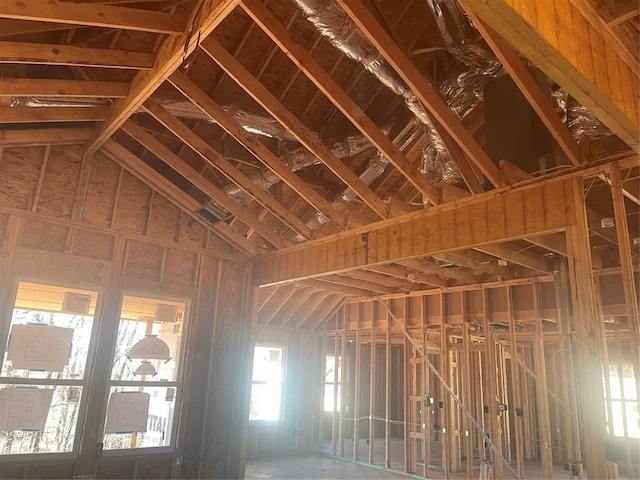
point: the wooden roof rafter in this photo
(269, 102)
(310, 67)
(224, 166)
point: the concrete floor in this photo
(315, 466)
(311, 466)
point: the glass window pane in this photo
(265, 402)
(50, 332)
(157, 420)
(149, 340)
(618, 419)
(633, 419)
(329, 370)
(629, 382)
(59, 428)
(267, 364)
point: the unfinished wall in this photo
(94, 223)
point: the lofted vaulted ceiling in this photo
(286, 122)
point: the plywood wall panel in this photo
(91, 244)
(101, 191)
(180, 267)
(40, 235)
(59, 183)
(133, 204)
(19, 172)
(143, 260)
(163, 219)
(194, 234)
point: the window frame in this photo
(283, 371)
(85, 383)
(178, 384)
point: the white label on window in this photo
(40, 347)
(166, 313)
(24, 408)
(127, 412)
(77, 303)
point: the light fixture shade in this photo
(150, 347)
(145, 368)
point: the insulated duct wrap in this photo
(579, 120)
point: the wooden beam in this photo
(148, 175)
(18, 27)
(204, 18)
(325, 285)
(538, 100)
(262, 95)
(482, 219)
(258, 149)
(553, 37)
(477, 262)
(396, 57)
(46, 54)
(31, 87)
(588, 339)
(52, 114)
(523, 258)
(216, 160)
(200, 182)
(93, 15)
(44, 136)
(330, 88)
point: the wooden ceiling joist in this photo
(320, 284)
(224, 166)
(204, 18)
(407, 70)
(330, 88)
(266, 99)
(52, 114)
(482, 219)
(305, 311)
(277, 302)
(200, 182)
(107, 16)
(598, 77)
(31, 87)
(523, 258)
(259, 150)
(46, 54)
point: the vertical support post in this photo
(426, 409)
(334, 417)
(589, 341)
(515, 387)
(321, 415)
(343, 381)
(466, 374)
(387, 395)
(356, 406)
(446, 402)
(626, 264)
(372, 386)
(543, 397)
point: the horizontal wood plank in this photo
(32, 87)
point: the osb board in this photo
(59, 183)
(101, 190)
(143, 260)
(497, 299)
(92, 244)
(475, 302)
(163, 219)
(194, 234)
(216, 244)
(452, 305)
(180, 267)
(522, 297)
(133, 205)
(19, 173)
(41, 235)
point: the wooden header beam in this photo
(484, 219)
(44, 136)
(93, 15)
(554, 34)
(32, 87)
